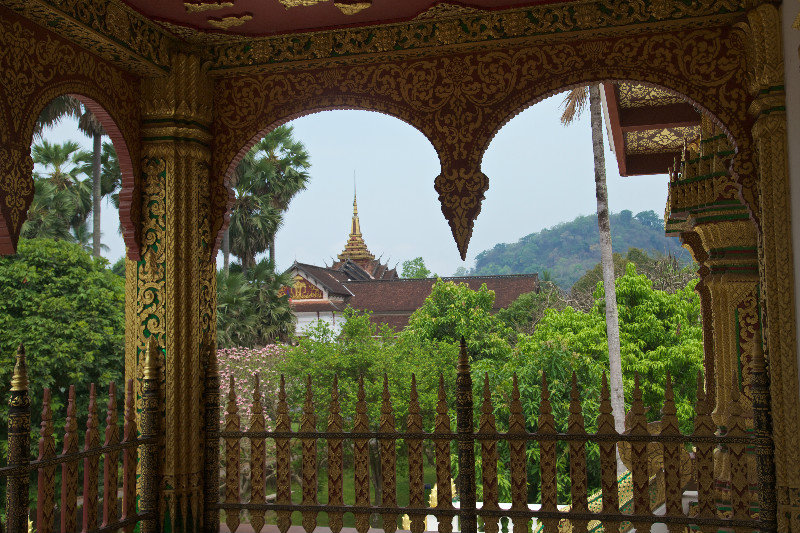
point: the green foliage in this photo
(568, 250)
(525, 312)
(660, 332)
(453, 311)
(363, 350)
(415, 268)
(67, 308)
(250, 308)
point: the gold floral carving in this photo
(460, 101)
(109, 28)
(659, 141)
(59, 68)
(638, 95)
(466, 30)
(445, 10)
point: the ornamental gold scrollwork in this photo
(460, 28)
(109, 28)
(459, 101)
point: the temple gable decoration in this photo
(302, 289)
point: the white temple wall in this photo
(306, 320)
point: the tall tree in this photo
(253, 218)
(290, 160)
(574, 103)
(62, 200)
(264, 183)
(88, 123)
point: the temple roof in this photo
(647, 126)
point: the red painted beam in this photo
(660, 117)
(617, 136)
(646, 164)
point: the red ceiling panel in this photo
(268, 17)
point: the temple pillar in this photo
(775, 253)
(171, 291)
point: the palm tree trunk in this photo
(96, 192)
(226, 249)
(272, 248)
(607, 260)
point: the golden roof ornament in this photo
(19, 380)
(356, 249)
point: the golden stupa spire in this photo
(356, 249)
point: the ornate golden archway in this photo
(187, 102)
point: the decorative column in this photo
(771, 207)
(171, 291)
(19, 444)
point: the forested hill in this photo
(569, 249)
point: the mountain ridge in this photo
(569, 249)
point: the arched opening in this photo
(66, 307)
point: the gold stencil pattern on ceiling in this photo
(638, 95)
(225, 23)
(660, 140)
(348, 8)
(197, 7)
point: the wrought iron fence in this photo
(750, 510)
(126, 449)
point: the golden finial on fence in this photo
(19, 380)
(444, 495)
(671, 452)
(151, 359)
(413, 404)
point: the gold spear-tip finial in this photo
(19, 381)
(151, 359)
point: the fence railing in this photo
(127, 449)
(750, 510)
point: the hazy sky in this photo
(540, 173)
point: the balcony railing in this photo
(750, 510)
(61, 511)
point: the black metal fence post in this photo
(466, 444)
(211, 477)
(19, 443)
(149, 452)
(762, 432)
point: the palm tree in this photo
(291, 162)
(253, 218)
(62, 200)
(236, 319)
(275, 317)
(574, 103)
(88, 123)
